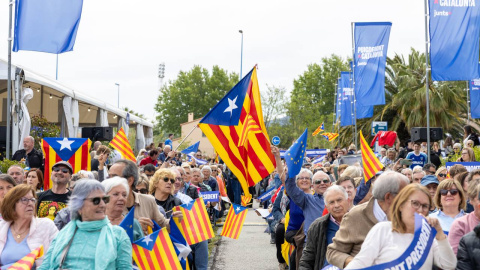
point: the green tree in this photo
(273, 103)
(195, 91)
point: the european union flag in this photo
(46, 26)
(295, 154)
(127, 223)
(192, 148)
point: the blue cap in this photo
(429, 179)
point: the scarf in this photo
(106, 251)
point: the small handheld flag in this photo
(234, 221)
(295, 154)
(191, 149)
(246, 199)
(329, 136)
(179, 243)
(127, 223)
(121, 144)
(370, 162)
(321, 128)
(28, 261)
(195, 225)
(155, 251)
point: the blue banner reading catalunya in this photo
(371, 45)
(470, 166)
(210, 196)
(454, 33)
(310, 152)
(475, 98)
(416, 253)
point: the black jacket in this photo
(315, 250)
(169, 204)
(468, 255)
(192, 192)
(34, 158)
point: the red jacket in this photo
(148, 160)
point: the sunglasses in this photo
(96, 200)
(64, 170)
(318, 182)
(444, 192)
(142, 190)
(166, 179)
(442, 175)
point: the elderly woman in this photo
(35, 179)
(89, 241)
(6, 183)
(161, 187)
(142, 184)
(388, 240)
(441, 173)
(451, 203)
(117, 189)
(21, 231)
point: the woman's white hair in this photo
(110, 183)
(83, 188)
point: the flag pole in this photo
(9, 78)
(353, 83)
(427, 88)
(468, 102)
(335, 107)
(185, 138)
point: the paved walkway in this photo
(252, 250)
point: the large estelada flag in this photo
(121, 144)
(234, 222)
(27, 262)
(236, 130)
(155, 251)
(195, 226)
(74, 150)
(371, 164)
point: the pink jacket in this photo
(42, 232)
(460, 227)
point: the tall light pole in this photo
(241, 54)
(161, 74)
(118, 95)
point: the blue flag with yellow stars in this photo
(127, 223)
(295, 154)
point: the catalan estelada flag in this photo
(74, 150)
(155, 251)
(321, 128)
(371, 164)
(26, 263)
(234, 222)
(121, 144)
(195, 225)
(246, 199)
(329, 136)
(236, 130)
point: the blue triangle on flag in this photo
(238, 208)
(65, 147)
(127, 223)
(148, 242)
(188, 205)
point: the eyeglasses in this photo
(425, 207)
(96, 200)
(142, 190)
(166, 179)
(318, 182)
(178, 179)
(304, 178)
(64, 170)
(149, 175)
(442, 175)
(444, 192)
(27, 200)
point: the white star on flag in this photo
(65, 143)
(231, 105)
(147, 239)
(238, 209)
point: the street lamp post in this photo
(118, 95)
(241, 54)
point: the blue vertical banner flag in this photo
(475, 98)
(371, 45)
(46, 25)
(362, 111)
(454, 28)
(339, 101)
(346, 117)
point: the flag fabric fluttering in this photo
(237, 132)
(121, 144)
(74, 150)
(295, 154)
(198, 161)
(180, 244)
(195, 225)
(155, 251)
(329, 136)
(245, 199)
(321, 128)
(370, 162)
(127, 223)
(28, 260)
(191, 149)
(234, 221)
(46, 26)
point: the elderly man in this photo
(146, 208)
(418, 174)
(16, 172)
(51, 201)
(408, 173)
(323, 229)
(179, 185)
(32, 157)
(208, 179)
(164, 154)
(357, 223)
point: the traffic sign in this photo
(379, 126)
(276, 140)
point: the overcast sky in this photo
(123, 42)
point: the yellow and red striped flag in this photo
(155, 251)
(246, 199)
(26, 263)
(74, 150)
(237, 132)
(370, 162)
(234, 222)
(329, 136)
(318, 130)
(195, 225)
(120, 143)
